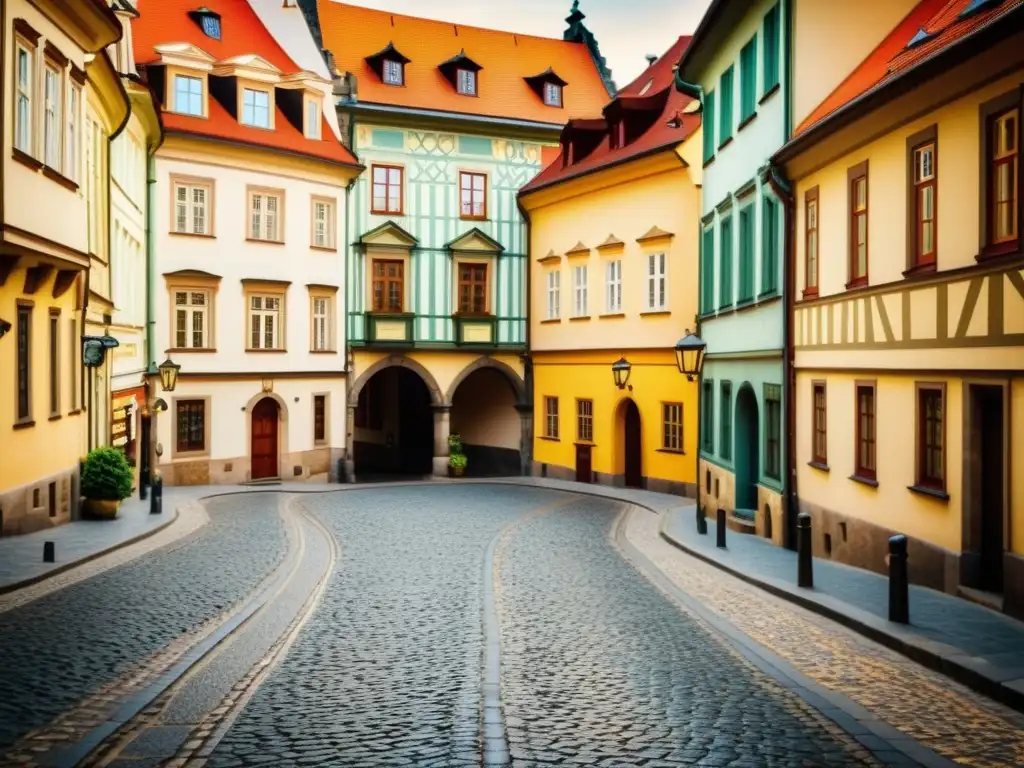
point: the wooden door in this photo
(991, 482)
(264, 439)
(633, 447)
(583, 467)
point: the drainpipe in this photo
(148, 437)
(791, 506)
(342, 472)
(526, 465)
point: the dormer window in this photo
(553, 94)
(256, 108)
(461, 71)
(394, 72)
(466, 82)
(208, 21)
(312, 119)
(188, 95)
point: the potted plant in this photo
(106, 480)
(456, 458)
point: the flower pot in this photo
(102, 509)
(456, 471)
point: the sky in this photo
(626, 30)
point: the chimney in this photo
(650, 59)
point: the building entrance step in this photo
(993, 600)
(742, 521)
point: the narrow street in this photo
(384, 626)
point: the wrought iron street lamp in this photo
(621, 370)
(690, 354)
(168, 374)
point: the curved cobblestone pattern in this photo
(66, 645)
(387, 671)
(599, 668)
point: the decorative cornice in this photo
(551, 258)
(611, 242)
(655, 233)
(578, 250)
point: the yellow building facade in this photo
(48, 47)
(613, 275)
(909, 318)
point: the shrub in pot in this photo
(106, 480)
(457, 464)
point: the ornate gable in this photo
(388, 235)
(475, 241)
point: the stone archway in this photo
(396, 361)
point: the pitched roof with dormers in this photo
(168, 32)
(507, 62)
(651, 103)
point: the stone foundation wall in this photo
(718, 488)
(315, 465)
(29, 508)
(770, 520)
(658, 485)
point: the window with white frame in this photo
(579, 291)
(53, 93)
(264, 321)
(321, 323)
(265, 213)
(466, 82)
(191, 319)
(312, 119)
(657, 283)
(71, 137)
(23, 120)
(554, 293)
(323, 223)
(553, 94)
(256, 108)
(393, 74)
(613, 289)
(188, 95)
(192, 208)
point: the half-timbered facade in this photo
(909, 319)
(449, 122)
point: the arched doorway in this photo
(484, 416)
(394, 426)
(747, 450)
(631, 442)
(264, 439)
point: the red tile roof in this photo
(653, 87)
(352, 33)
(942, 26)
(164, 22)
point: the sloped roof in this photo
(352, 33)
(935, 24)
(653, 82)
(242, 34)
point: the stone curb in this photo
(947, 659)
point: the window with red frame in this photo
(811, 241)
(931, 463)
(865, 432)
(387, 189)
(858, 226)
(819, 452)
(925, 157)
(1004, 177)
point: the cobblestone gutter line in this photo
(925, 715)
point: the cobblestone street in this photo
(350, 629)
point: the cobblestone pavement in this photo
(940, 714)
(600, 668)
(74, 643)
(387, 672)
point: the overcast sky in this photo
(626, 30)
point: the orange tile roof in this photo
(942, 27)
(352, 33)
(661, 135)
(242, 33)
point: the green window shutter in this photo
(726, 421)
(725, 264)
(747, 254)
(706, 431)
(725, 109)
(771, 49)
(770, 246)
(748, 79)
(707, 272)
(708, 118)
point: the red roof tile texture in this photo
(242, 33)
(669, 129)
(352, 33)
(939, 19)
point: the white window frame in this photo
(194, 213)
(186, 108)
(312, 119)
(71, 135)
(53, 119)
(554, 292)
(188, 311)
(553, 94)
(613, 286)
(579, 291)
(266, 216)
(465, 82)
(252, 111)
(259, 313)
(656, 283)
(321, 312)
(323, 225)
(24, 97)
(393, 72)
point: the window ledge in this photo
(186, 350)
(551, 320)
(319, 351)
(552, 439)
(935, 493)
(864, 480)
(724, 308)
(709, 161)
(331, 248)
(24, 424)
(656, 312)
(771, 293)
(746, 121)
(674, 451)
(190, 455)
(55, 417)
(473, 218)
(857, 282)
(26, 159)
(992, 252)
(60, 178)
(745, 301)
(387, 213)
(725, 143)
(810, 293)
(768, 94)
(265, 242)
(192, 234)
(579, 319)
(707, 315)
(819, 465)
(920, 269)
(590, 443)
(613, 314)
(271, 351)
(74, 412)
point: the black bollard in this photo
(721, 529)
(702, 522)
(156, 498)
(899, 586)
(804, 561)
(49, 553)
